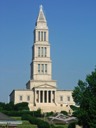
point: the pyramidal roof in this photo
(5, 117)
(41, 16)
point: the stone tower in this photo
(41, 62)
(41, 67)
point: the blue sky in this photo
(72, 28)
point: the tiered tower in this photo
(41, 62)
(41, 66)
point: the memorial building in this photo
(41, 90)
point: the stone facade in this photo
(41, 90)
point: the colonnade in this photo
(44, 96)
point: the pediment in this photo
(47, 86)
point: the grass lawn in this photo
(16, 118)
(26, 124)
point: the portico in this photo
(44, 96)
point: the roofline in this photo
(64, 90)
(12, 92)
(41, 81)
(20, 90)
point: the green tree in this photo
(9, 106)
(2, 106)
(14, 107)
(84, 95)
(23, 106)
(6, 106)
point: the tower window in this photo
(28, 98)
(39, 68)
(61, 98)
(38, 51)
(68, 98)
(39, 36)
(44, 36)
(42, 68)
(42, 51)
(45, 68)
(20, 98)
(45, 51)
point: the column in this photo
(54, 96)
(51, 96)
(34, 96)
(43, 96)
(47, 96)
(38, 96)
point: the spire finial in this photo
(41, 7)
(41, 16)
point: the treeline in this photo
(19, 109)
(22, 108)
(13, 107)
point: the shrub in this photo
(26, 117)
(49, 113)
(72, 125)
(64, 112)
(21, 113)
(40, 123)
(38, 113)
(43, 124)
(21, 106)
(52, 126)
(33, 120)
